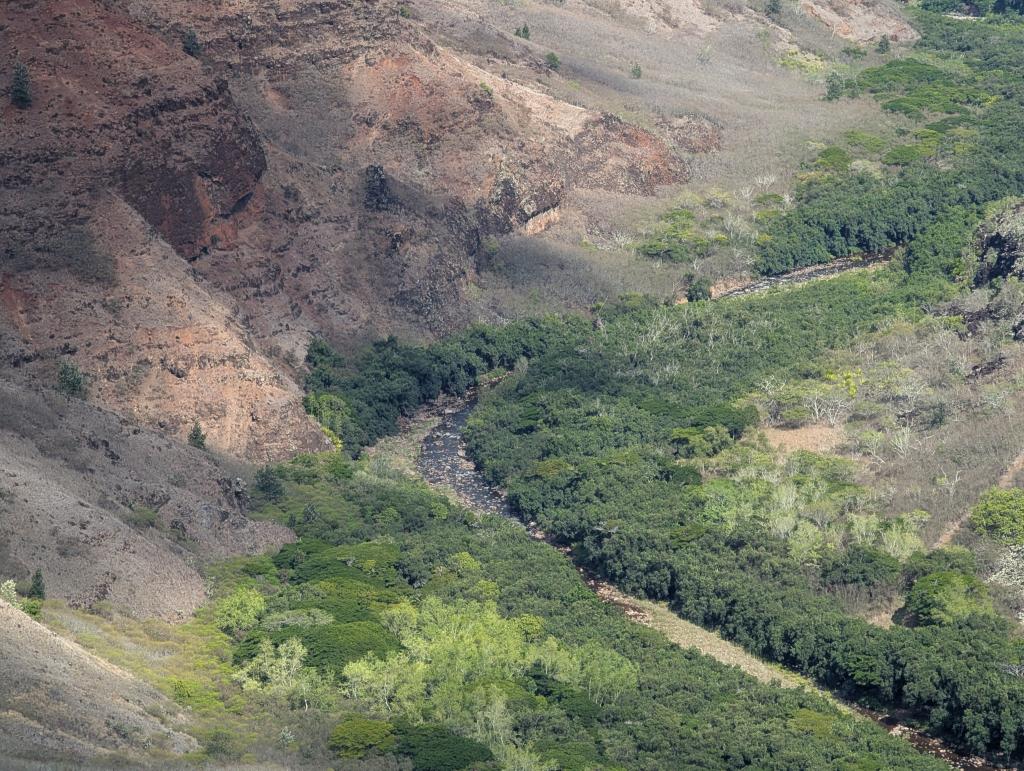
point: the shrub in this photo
(196, 437)
(239, 611)
(190, 43)
(773, 9)
(21, 89)
(552, 61)
(269, 484)
(1000, 514)
(636, 72)
(945, 597)
(331, 646)
(523, 31)
(833, 159)
(142, 516)
(433, 748)
(834, 86)
(699, 289)
(356, 735)
(861, 566)
(70, 380)
(884, 44)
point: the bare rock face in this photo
(61, 704)
(119, 115)
(154, 345)
(861, 21)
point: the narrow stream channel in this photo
(442, 463)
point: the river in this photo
(443, 464)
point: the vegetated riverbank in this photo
(442, 463)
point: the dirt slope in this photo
(61, 704)
(72, 478)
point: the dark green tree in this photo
(190, 43)
(773, 9)
(196, 437)
(523, 31)
(268, 483)
(884, 44)
(834, 86)
(70, 380)
(552, 61)
(37, 590)
(699, 289)
(21, 88)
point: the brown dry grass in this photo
(816, 438)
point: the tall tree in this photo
(21, 88)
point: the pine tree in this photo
(884, 44)
(70, 380)
(196, 437)
(21, 89)
(37, 590)
(834, 86)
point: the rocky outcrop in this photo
(861, 21)
(1000, 245)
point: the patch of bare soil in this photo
(816, 438)
(60, 703)
(861, 20)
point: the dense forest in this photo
(965, 87)
(406, 627)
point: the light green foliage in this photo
(463, 564)
(239, 611)
(946, 596)
(1000, 514)
(834, 159)
(552, 60)
(9, 594)
(461, 663)
(280, 673)
(332, 413)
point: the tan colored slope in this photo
(72, 478)
(154, 345)
(59, 703)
